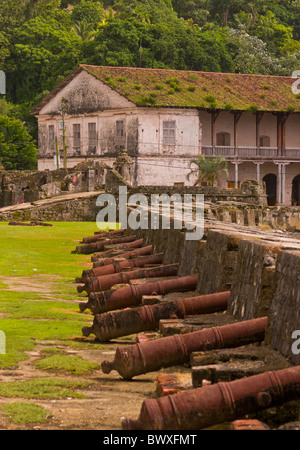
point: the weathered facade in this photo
(165, 118)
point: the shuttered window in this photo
(169, 132)
(92, 136)
(76, 135)
(51, 137)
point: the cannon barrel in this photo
(100, 261)
(107, 281)
(122, 323)
(117, 249)
(172, 350)
(100, 302)
(218, 403)
(118, 266)
(97, 246)
(105, 234)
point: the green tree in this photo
(88, 11)
(17, 149)
(207, 169)
(43, 50)
(278, 36)
(84, 30)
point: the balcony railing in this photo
(251, 152)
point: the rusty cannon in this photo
(169, 351)
(102, 235)
(100, 302)
(98, 246)
(145, 318)
(143, 251)
(118, 266)
(218, 403)
(107, 281)
(116, 250)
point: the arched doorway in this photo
(271, 187)
(296, 191)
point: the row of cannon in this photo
(118, 260)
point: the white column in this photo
(236, 174)
(258, 164)
(283, 183)
(279, 183)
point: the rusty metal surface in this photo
(118, 266)
(218, 403)
(145, 318)
(116, 249)
(172, 350)
(96, 237)
(100, 302)
(87, 249)
(103, 261)
(107, 281)
(248, 424)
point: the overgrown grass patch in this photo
(22, 413)
(43, 388)
(28, 317)
(46, 249)
(60, 361)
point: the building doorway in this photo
(271, 187)
(296, 191)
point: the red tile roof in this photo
(190, 89)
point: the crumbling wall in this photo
(254, 281)
(217, 266)
(29, 186)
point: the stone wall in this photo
(284, 314)
(28, 186)
(77, 208)
(260, 268)
(254, 281)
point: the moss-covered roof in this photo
(190, 89)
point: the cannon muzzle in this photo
(145, 318)
(100, 302)
(105, 282)
(103, 261)
(118, 266)
(99, 246)
(169, 351)
(218, 403)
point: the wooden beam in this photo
(214, 116)
(259, 116)
(236, 118)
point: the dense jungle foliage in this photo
(42, 41)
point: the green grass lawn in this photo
(41, 254)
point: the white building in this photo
(165, 118)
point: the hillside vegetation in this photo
(42, 41)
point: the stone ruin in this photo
(29, 186)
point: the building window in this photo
(92, 137)
(120, 134)
(51, 137)
(264, 141)
(120, 128)
(76, 136)
(169, 132)
(223, 139)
